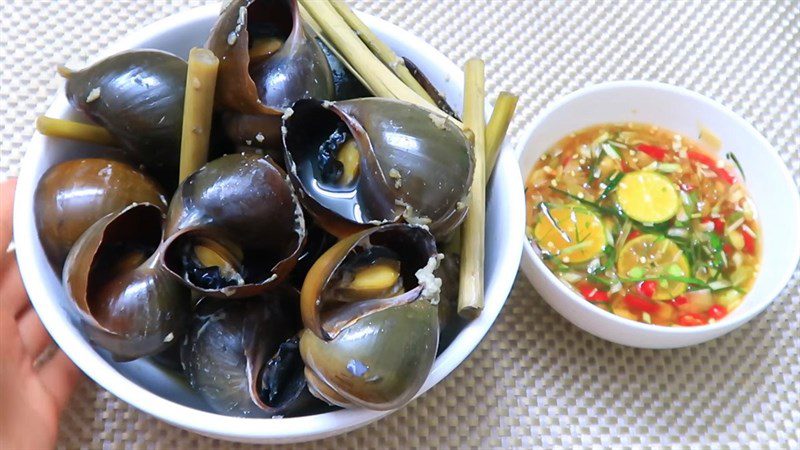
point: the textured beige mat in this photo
(535, 380)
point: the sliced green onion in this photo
(611, 184)
(735, 160)
(600, 280)
(591, 204)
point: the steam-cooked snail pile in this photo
(303, 263)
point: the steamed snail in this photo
(300, 266)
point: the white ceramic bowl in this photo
(773, 191)
(150, 389)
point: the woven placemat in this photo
(536, 380)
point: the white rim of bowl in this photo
(295, 429)
(786, 177)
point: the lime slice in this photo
(648, 196)
(651, 256)
(573, 233)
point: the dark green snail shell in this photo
(138, 96)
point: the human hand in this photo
(35, 382)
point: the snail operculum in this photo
(369, 161)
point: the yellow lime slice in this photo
(651, 256)
(573, 233)
(647, 196)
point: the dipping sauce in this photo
(645, 223)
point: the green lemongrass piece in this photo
(610, 151)
(198, 106)
(378, 78)
(381, 50)
(470, 293)
(497, 128)
(68, 129)
(315, 26)
(668, 167)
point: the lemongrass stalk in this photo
(309, 19)
(376, 76)
(470, 292)
(198, 105)
(381, 50)
(497, 128)
(78, 131)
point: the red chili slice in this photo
(749, 243)
(633, 234)
(565, 158)
(639, 303)
(692, 320)
(711, 163)
(652, 151)
(728, 249)
(717, 312)
(647, 288)
(679, 301)
(593, 294)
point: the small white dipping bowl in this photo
(151, 389)
(682, 111)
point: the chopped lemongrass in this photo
(668, 167)
(198, 109)
(378, 78)
(471, 281)
(677, 232)
(735, 225)
(379, 48)
(68, 129)
(572, 277)
(719, 285)
(610, 151)
(652, 166)
(497, 127)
